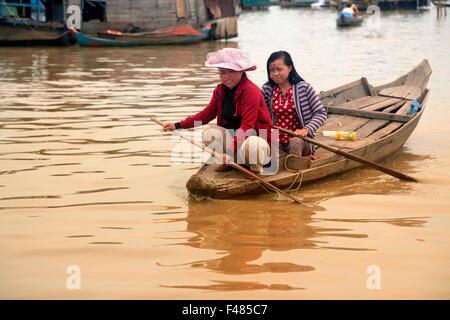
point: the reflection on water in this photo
(236, 286)
(241, 231)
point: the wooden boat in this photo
(179, 34)
(378, 115)
(344, 21)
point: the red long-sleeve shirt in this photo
(250, 105)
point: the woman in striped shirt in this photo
(293, 103)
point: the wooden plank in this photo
(381, 105)
(370, 127)
(404, 109)
(370, 114)
(395, 107)
(343, 123)
(361, 102)
(391, 127)
(387, 96)
(403, 92)
(377, 124)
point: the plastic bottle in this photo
(340, 135)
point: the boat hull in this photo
(140, 39)
(343, 21)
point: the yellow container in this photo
(340, 135)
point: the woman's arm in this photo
(319, 114)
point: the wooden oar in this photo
(232, 164)
(354, 157)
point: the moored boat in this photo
(383, 118)
(344, 20)
(179, 34)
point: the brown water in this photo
(86, 178)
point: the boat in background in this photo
(179, 34)
(346, 20)
(383, 118)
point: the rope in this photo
(299, 174)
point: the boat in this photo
(383, 118)
(26, 24)
(344, 20)
(179, 34)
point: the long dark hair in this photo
(294, 78)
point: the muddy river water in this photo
(87, 180)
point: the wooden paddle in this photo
(232, 164)
(354, 157)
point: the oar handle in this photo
(154, 119)
(375, 165)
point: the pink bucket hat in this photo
(229, 58)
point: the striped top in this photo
(308, 106)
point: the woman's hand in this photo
(169, 126)
(303, 132)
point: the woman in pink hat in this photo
(239, 106)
